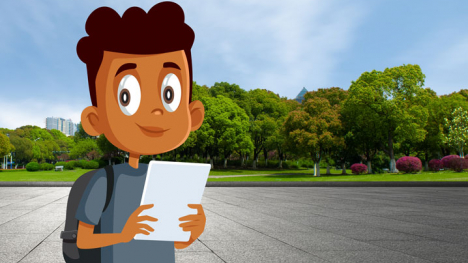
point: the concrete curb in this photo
(272, 184)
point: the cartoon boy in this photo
(140, 80)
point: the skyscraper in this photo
(300, 97)
(65, 126)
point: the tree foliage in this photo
(383, 115)
(313, 130)
(83, 147)
(396, 102)
(5, 146)
(228, 124)
(457, 135)
(265, 109)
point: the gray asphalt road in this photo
(275, 224)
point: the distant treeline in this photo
(382, 116)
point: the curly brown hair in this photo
(142, 35)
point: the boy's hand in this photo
(133, 225)
(196, 225)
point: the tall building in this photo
(300, 97)
(51, 123)
(65, 126)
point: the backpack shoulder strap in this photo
(110, 185)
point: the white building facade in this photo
(61, 124)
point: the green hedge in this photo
(67, 165)
(46, 166)
(32, 167)
(71, 165)
(81, 163)
(91, 165)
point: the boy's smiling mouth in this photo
(152, 131)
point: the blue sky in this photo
(277, 45)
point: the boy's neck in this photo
(134, 160)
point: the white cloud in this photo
(443, 57)
(17, 113)
(277, 45)
(25, 23)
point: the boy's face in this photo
(143, 102)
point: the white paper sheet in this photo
(171, 186)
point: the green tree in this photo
(291, 105)
(439, 108)
(107, 148)
(398, 100)
(64, 143)
(365, 132)
(6, 131)
(81, 134)
(189, 144)
(335, 97)
(277, 140)
(234, 92)
(23, 148)
(57, 135)
(227, 125)
(47, 149)
(197, 141)
(457, 130)
(245, 147)
(205, 138)
(443, 110)
(265, 109)
(83, 147)
(199, 92)
(40, 133)
(313, 130)
(5, 146)
(93, 155)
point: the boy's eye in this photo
(171, 92)
(125, 97)
(129, 95)
(168, 94)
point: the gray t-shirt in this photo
(128, 189)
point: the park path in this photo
(239, 175)
(247, 175)
(274, 224)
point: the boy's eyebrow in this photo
(171, 65)
(126, 66)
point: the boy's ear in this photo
(197, 113)
(90, 121)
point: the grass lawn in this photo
(277, 175)
(222, 172)
(72, 175)
(66, 175)
(424, 176)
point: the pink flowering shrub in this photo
(359, 168)
(446, 160)
(409, 164)
(435, 165)
(458, 164)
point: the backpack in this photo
(71, 253)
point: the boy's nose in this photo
(157, 112)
